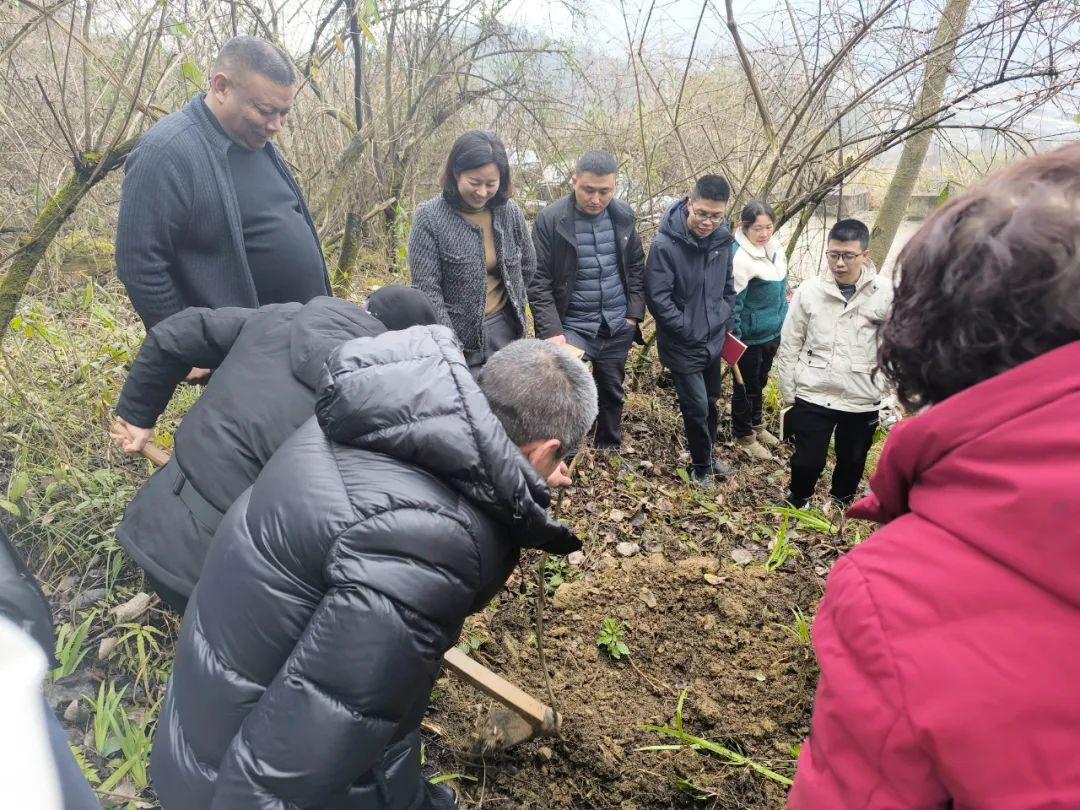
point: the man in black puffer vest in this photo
(267, 362)
(588, 289)
(338, 580)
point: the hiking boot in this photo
(720, 469)
(766, 438)
(702, 480)
(751, 447)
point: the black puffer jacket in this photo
(690, 290)
(267, 363)
(338, 580)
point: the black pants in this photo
(811, 427)
(500, 330)
(171, 597)
(754, 365)
(697, 393)
(607, 352)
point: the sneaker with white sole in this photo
(753, 448)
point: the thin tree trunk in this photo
(915, 148)
(32, 245)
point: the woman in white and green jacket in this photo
(760, 271)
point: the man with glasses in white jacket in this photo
(827, 361)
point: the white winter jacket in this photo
(828, 347)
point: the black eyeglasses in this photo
(836, 255)
(707, 217)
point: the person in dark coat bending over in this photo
(690, 290)
(210, 215)
(267, 363)
(336, 583)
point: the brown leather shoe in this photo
(751, 447)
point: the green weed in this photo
(801, 629)
(782, 549)
(556, 571)
(71, 648)
(610, 639)
(107, 706)
(699, 744)
(807, 518)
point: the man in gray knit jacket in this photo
(210, 215)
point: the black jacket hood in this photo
(410, 395)
(320, 326)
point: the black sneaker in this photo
(720, 469)
(703, 480)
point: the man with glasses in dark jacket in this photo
(338, 580)
(267, 364)
(588, 287)
(690, 288)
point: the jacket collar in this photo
(209, 127)
(620, 213)
(868, 278)
(758, 252)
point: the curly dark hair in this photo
(990, 281)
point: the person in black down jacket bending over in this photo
(337, 581)
(266, 363)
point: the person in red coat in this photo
(949, 642)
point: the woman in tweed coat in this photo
(470, 251)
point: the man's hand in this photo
(558, 340)
(131, 439)
(559, 478)
(197, 375)
(633, 322)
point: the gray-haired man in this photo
(210, 215)
(588, 289)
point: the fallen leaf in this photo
(741, 555)
(616, 516)
(132, 609)
(105, 648)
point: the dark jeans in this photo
(697, 393)
(607, 352)
(500, 329)
(811, 427)
(754, 365)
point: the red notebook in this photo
(733, 349)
